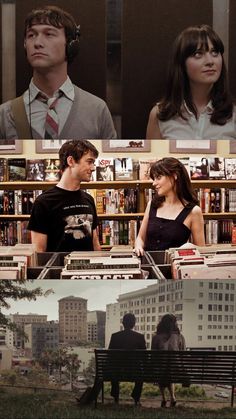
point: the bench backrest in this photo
(178, 366)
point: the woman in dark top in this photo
(173, 215)
(168, 338)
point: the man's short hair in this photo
(129, 321)
(54, 16)
(76, 149)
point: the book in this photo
(3, 170)
(216, 168)
(130, 201)
(16, 169)
(27, 201)
(124, 168)
(144, 168)
(35, 170)
(52, 170)
(105, 169)
(230, 168)
(199, 168)
(101, 201)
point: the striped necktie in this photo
(52, 120)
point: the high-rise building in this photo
(41, 336)
(206, 311)
(112, 321)
(73, 320)
(21, 320)
(96, 326)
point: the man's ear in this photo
(70, 161)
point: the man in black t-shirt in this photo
(64, 218)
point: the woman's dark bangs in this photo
(158, 169)
(197, 40)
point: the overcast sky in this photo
(98, 293)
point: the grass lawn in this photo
(64, 406)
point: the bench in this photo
(183, 367)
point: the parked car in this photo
(222, 394)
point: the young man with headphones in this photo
(53, 107)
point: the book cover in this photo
(101, 201)
(130, 201)
(3, 170)
(16, 169)
(52, 170)
(35, 170)
(199, 168)
(124, 168)
(105, 169)
(216, 168)
(230, 168)
(144, 168)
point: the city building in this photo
(206, 311)
(41, 336)
(2, 335)
(96, 327)
(5, 358)
(16, 339)
(113, 323)
(73, 320)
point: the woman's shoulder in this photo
(196, 209)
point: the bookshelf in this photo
(139, 185)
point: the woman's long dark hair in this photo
(167, 325)
(178, 88)
(172, 167)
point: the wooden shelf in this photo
(209, 215)
(117, 184)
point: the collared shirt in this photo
(36, 110)
(191, 128)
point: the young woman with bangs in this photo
(173, 215)
(197, 103)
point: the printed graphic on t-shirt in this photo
(79, 225)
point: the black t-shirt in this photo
(68, 218)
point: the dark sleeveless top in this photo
(163, 233)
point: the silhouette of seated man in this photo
(130, 340)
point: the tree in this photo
(54, 359)
(72, 366)
(17, 290)
(90, 371)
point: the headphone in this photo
(72, 47)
